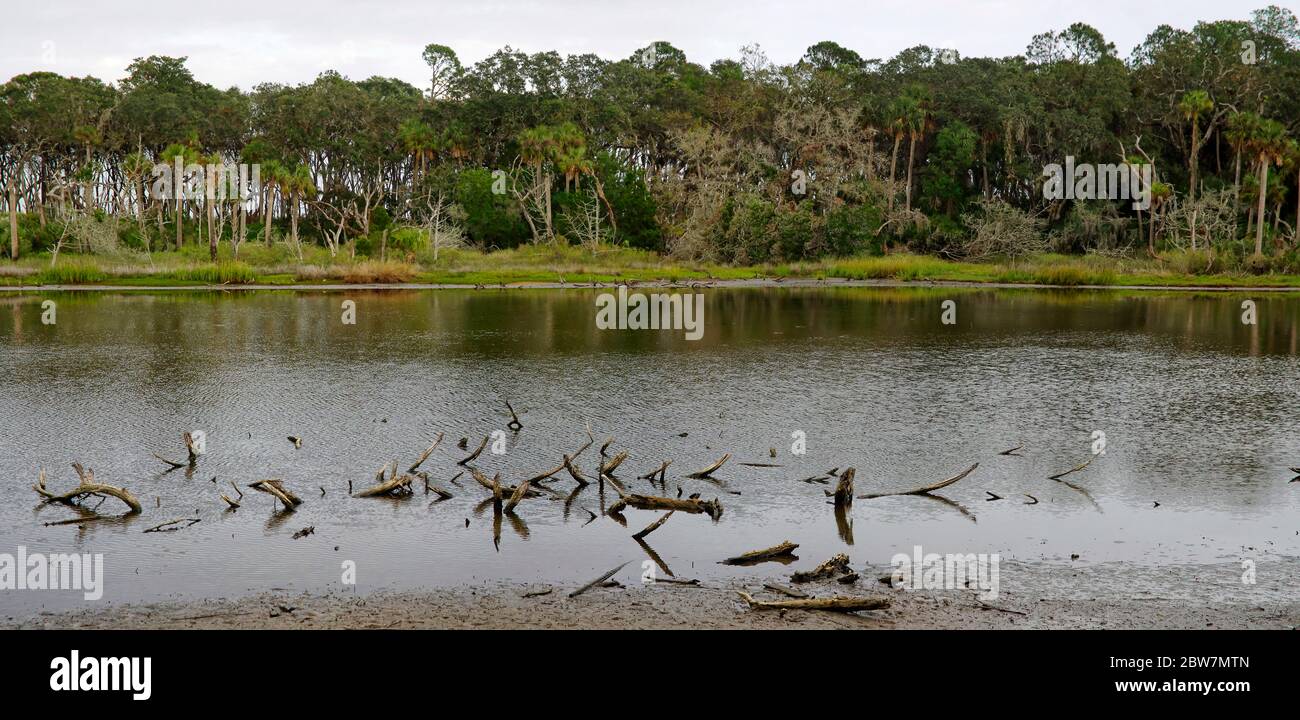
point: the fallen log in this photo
(926, 489)
(474, 454)
(708, 471)
(275, 488)
(653, 526)
(836, 604)
(425, 455)
(844, 490)
(86, 486)
(712, 508)
(838, 565)
(784, 549)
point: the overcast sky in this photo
(244, 42)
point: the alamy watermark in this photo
(213, 181)
(1086, 181)
(658, 311)
(932, 571)
(56, 571)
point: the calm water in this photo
(1199, 411)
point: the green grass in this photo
(277, 265)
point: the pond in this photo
(1198, 412)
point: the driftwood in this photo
(1058, 476)
(474, 454)
(310, 529)
(1012, 452)
(784, 549)
(482, 479)
(661, 471)
(598, 581)
(425, 455)
(708, 471)
(234, 504)
(190, 450)
(653, 526)
(837, 603)
(519, 494)
(170, 525)
(607, 468)
(838, 565)
(712, 508)
(926, 489)
(395, 486)
(275, 488)
(844, 490)
(787, 591)
(605, 447)
(87, 486)
(297, 442)
(573, 471)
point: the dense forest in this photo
(743, 161)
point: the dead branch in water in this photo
(425, 455)
(519, 494)
(607, 468)
(653, 526)
(1058, 476)
(514, 423)
(784, 549)
(712, 508)
(837, 603)
(661, 471)
(481, 479)
(926, 489)
(838, 565)
(844, 490)
(598, 581)
(168, 526)
(190, 450)
(475, 454)
(708, 471)
(1012, 452)
(395, 486)
(86, 486)
(275, 488)
(234, 504)
(547, 474)
(297, 442)
(605, 447)
(573, 471)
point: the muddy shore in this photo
(662, 606)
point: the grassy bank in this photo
(279, 266)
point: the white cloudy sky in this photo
(243, 42)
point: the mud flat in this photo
(663, 606)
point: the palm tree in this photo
(272, 173)
(184, 155)
(1268, 145)
(301, 185)
(1241, 126)
(915, 129)
(900, 111)
(1194, 104)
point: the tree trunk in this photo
(1196, 136)
(180, 222)
(266, 217)
(1263, 192)
(13, 220)
(911, 155)
(893, 164)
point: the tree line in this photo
(742, 161)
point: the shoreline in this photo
(708, 605)
(678, 285)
